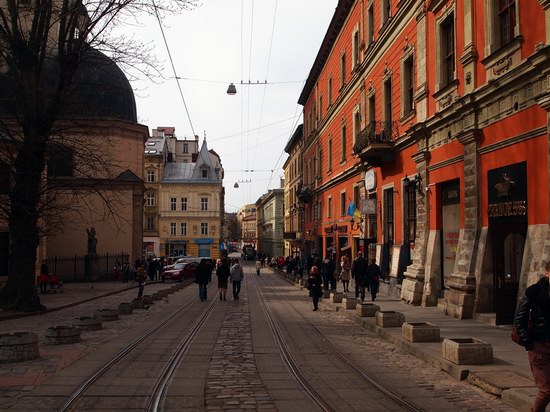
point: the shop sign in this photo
(507, 187)
(370, 180)
(370, 207)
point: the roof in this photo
(295, 138)
(99, 90)
(334, 28)
(154, 146)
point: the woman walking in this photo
(345, 274)
(314, 284)
(223, 272)
(237, 276)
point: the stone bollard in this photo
(420, 332)
(366, 310)
(349, 303)
(156, 296)
(389, 319)
(147, 300)
(336, 297)
(87, 323)
(326, 294)
(18, 347)
(125, 308)
(106, 315)
(467, 351)
(138, 303)
(61, 335)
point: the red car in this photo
(180, 271)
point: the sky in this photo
(229, 41)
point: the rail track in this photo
(157, 394)
(299, 375)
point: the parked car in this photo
(181, 259)
(180, 271)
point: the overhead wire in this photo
(174, 69)
(248, 95)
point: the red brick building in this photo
(432, 117)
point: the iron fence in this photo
(72, 268)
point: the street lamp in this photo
(236, 185)
(232, 90)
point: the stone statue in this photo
(92, 241)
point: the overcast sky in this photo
(249, 130)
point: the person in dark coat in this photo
(532, 321)
(373, 278)
(44, 277)
(315, 287)
(328, 271)
(203, 274)
(359, 274)
(223, 273)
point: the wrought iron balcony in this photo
(305, 194)
(375, 143)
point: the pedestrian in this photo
(345, 274)
(328, 272)
(126, 272)
(237, 276)
(116, 270)
(373, 278)
(203, 274)
(43, 278)
(152, 269)
(315, 287)
(141, 277)
(258, 267)
(532, 321)
(223, 272)
(359, 274)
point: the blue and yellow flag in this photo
(353, 211)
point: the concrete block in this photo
(87, 323)
(389, 319)
(147, 300)
(336, 297)
(349, 303)
(326, 294)
(106, 315)
(125, 308)
(420, 332)
(138, 303)
(467, 351)
(366, 310)
(61, 335)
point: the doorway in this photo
(508, 245)
(450, 228)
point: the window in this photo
(370, 24)
(410, 228)
(388, 216)
(387, 102)
(60, 163)
(150, 176)
(204, 203)
(344, 143)
(386, 11)
(204, 228)
(506, 20)
(183, 229)
(204, 173)
(343, 70)
(330, 91)
(150, 199)
(150, 224)
(173, 229)
(184, 203)
(355, 48)
(321, 107)
(329, 154)
(329, 207)
(356, 125)
(343, 204)
(173, 202)
(185, 148)
(372, 109)
(447, 51)
(408, 85)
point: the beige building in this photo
(247, 221)
(270, 210)
(294, 209)
(184, 209)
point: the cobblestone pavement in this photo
(233, 382)
(18, 379)
(380, 358)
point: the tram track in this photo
(312, 392)
(159, 390)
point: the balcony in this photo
(375, 143)
(289, 235)
(305, 195)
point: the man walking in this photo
(237, 276)
(203, 274)
(328, 271)
(359, 274)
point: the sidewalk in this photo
(508, 377)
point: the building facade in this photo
(270, 221)
(184, 197)
(246, 216)
(432, 117)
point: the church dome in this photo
(99, 90)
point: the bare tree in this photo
(43, 46)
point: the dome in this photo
(99, 90)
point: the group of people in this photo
(366, 275)
(226, 271)
(48, 281)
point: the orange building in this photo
(432, 118)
